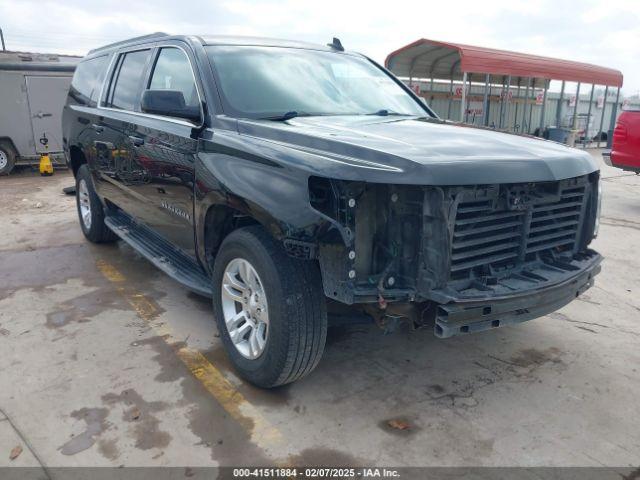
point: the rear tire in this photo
(295, 304)
(90, 209)
(7, 158)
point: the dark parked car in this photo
(275, 175)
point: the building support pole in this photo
(559, 109)
(604, 108)
(508, 105)
(450, 99)
(502, 95)
(574, 119)
(544, 109)
(4, 48)
(505, 98)
(515, 114)
(463, 103)
(612, 123)
(524, 107)
(533, 91)
(586, 128)
(509, 97)
(485, 103)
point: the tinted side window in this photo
(87, 80)
(173, 72)
(126, 90)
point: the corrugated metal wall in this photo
(513, 119)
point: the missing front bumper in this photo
(462, 315)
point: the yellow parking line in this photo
(262, 433)
(110, 272)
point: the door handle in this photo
(97, 128)
(137, 141)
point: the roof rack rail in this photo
(130, 40)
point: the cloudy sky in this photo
(604, 32)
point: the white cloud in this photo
(604, 32)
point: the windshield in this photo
(263, 82)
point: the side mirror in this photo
(169, 103)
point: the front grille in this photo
(556, 224)
(489, 234)
(483, 236)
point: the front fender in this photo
(238, 174)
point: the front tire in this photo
(90, 209)
(269, 307)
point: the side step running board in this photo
(161, 253)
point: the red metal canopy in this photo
(433, 59)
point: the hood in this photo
(420, 151)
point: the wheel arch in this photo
(11, 144)
(218, 221)
(76, 159)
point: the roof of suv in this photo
(213, 40)
(260, 41)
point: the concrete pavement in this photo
(106, 361)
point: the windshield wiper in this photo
(293, 114)
(287, 116)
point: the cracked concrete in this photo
(88, 380)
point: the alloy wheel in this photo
(85, 204)
(245, 308)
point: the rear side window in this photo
(87, 80)
(127, 84)
(173, 72)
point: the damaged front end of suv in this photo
(467, 258)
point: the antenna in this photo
(336, 44)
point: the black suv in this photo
(284, 179)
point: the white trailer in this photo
(33, 89)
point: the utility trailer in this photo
(33, 89)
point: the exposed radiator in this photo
(556, 225)
(492, 232)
